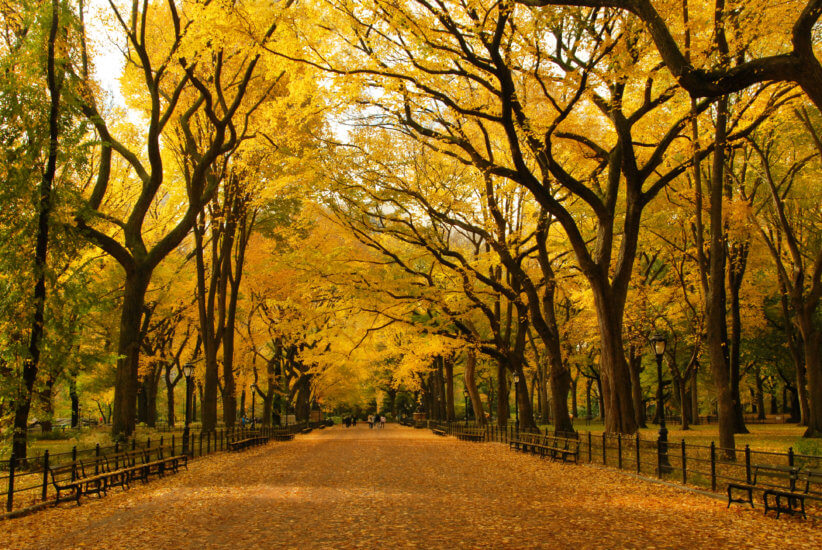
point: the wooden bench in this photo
(123, 468)
(438, 431)
(282, 437)
(159, 460)
(240, 444)
(64, 479)
(764, 476)
(83, 477)
(559, 448)
(793, 501)
(525, 442)
(99, 474)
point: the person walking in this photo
(382, 421)
(371, 421)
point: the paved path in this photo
(400, 488)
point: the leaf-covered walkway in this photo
(400, 488)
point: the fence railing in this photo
(705, 466)
(26, 482)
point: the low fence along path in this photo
(404, 488)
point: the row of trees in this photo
(332, 198)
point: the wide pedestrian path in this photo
(400, 488)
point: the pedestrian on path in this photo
(382, 421)
(371, 421)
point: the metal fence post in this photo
(10, 496)
(97, 459)
(604, 456)
(684, 464)
(713, 466)
(638, 461)
(619, 451)
(747, 464)
(45, 474)
(74, 463)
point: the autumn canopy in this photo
(469, 209)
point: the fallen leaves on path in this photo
(401, 488)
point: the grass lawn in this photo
(87, 437)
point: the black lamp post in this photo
(188, 370)
(465, 395)
(253, 403)
(516, 400)
(659, 344)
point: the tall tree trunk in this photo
(545, 404)
(616, 378)
(75, 402)
(717, 327)
(736, 271)
(760, 392)
(681, 386)
(170, 404)
(503, 410)
(635, 368)
(812, 338)
(22, 401)
(471, 385)
(128, 349)
(448, 364)
(694, 397)
(574, 404)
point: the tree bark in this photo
(31, 364)
(717, 327)
(471, 386)
(503, 410)
(812, 338)
(635, 367)
(738, 255)
(128, 349)
(448, 364)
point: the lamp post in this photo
(658, 342)
(188, 370)
(465, 395)
(253, 402)
(516, 400)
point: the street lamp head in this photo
(188, 370)
(253, 386)
(658, 342)
(516, 378)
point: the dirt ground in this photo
(400, 488)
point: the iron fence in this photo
(708, 467)
(26, 482)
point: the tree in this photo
(181, 75)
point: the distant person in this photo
(371, 421)
(382, 421)
(354, 421)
